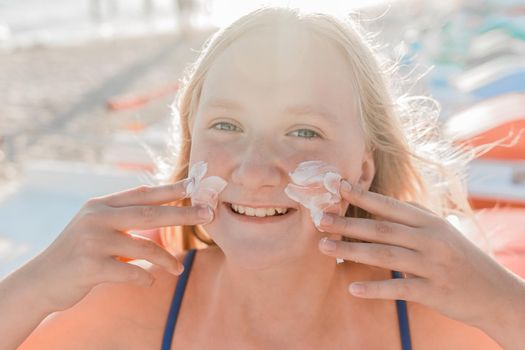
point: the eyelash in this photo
(214, 126)
(313, 134)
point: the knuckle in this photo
(91, 205)
(94, 216)
(345, 223)
(90, 216)
(92, 211)
(143, 189)
(93, 202)
(404, 291)
(382, 228)
(146, 246)
(386, 254)
(391, 202)
(148, 213)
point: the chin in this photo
(260, 250)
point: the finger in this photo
(138, 247)
(147, 195)
(410, 289)
(379, 255)
(149, 217)
(420, 207)
(373, 230)
(115, 271)
(387, 207)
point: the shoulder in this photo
(115, 312)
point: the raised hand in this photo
(445, 271)
(87, 252)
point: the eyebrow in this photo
(311, 110)
(223, 103)
(296, 110)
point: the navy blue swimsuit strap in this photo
(177, 301)
(402, 316)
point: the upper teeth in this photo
(260, 212)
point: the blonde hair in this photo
(412, 160)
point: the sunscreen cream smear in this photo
(201, 190)
(316, 186)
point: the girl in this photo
(273, 90)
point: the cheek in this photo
(219, 156)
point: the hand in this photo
(445, 271)
(87, 252)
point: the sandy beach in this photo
(54, 104)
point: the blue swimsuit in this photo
(401, 306)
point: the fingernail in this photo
(177, 269)
(187, 187)
(205, 213)
(345, 186)
(357, 288)
(327, 219)
(327, 245)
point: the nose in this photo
(257, 168)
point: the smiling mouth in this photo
(258, 212)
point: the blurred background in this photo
(86, 87)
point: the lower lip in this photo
(256, 219)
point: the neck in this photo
(284, 302)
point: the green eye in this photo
(225, 126)
(305, 133)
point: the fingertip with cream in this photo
(346, 186)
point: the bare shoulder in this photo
(111, 316)
(431, 330)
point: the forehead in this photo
(279, 67)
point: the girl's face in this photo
(270, 101)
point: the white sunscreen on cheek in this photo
(204, 191)
(316, 186)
